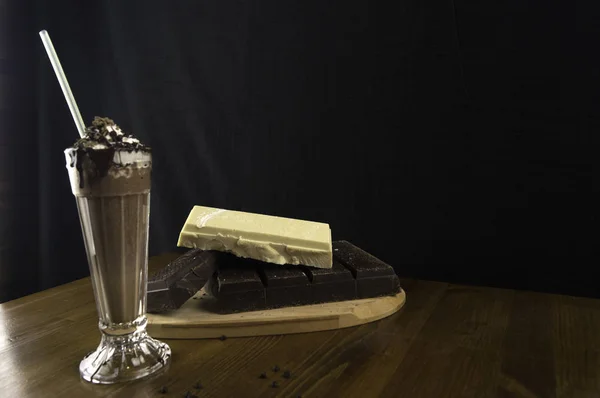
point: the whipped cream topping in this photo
(106, 146)
(104, 133)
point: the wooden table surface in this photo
(448, 341)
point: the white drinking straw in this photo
(62, 80)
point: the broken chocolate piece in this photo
(172, 286)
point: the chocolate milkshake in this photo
(110, 178)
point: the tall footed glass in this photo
(112, 190)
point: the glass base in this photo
(125, 358)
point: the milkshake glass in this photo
(110, 178)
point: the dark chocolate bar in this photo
(245, 285)
(173, 285)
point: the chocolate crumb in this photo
(263, 375)
(163, 390)
(287, 374)
(223, 338)
(276, 368)
(275, 384)
(198, 386)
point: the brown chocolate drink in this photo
(110, 178)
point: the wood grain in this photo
(195, 320)
(447, 341)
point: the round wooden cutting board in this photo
(194, 320)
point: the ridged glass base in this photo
(125, 358)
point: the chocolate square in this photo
(286, 286)
(374, 278)
(236, 284)
(331, 284)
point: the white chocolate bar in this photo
(271, 239)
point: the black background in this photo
(455, 140)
